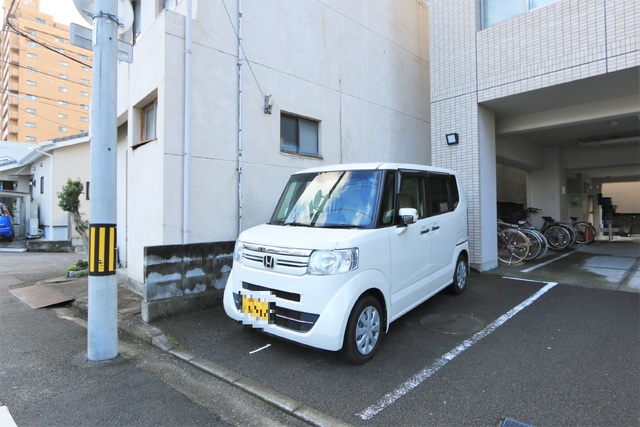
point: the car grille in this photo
(284, 260)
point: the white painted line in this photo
(545, 263)
(260, 349)
(6, 420)
(413, 382)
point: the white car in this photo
(348, 250)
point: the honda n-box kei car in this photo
(348, 250)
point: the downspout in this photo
(239, 116)
(186, 179)
(51, 185)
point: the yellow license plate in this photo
(257, 307)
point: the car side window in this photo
(412, 192)
(439, 194)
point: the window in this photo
(30, 124)
(84, 81)
(32, 97)
(63, 103)
(298, 135)
(496, 11)
(63, 89)
(149, 121)
(84, 68)
(64, 63)
(62, 129)
(63, 76)
(32, 69)
(84, 106)
(31, 83)
(31, 110)
(84, 119)
(63, 116)
(411, 193)
(30, 138)
(41, 21)
(59, 50)
(84, 93)
(30, 31)
(31, 43)
(32, 56)
(42, 185)
(59, 40)
(83, 57)
(439, 194)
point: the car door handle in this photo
(424, 230)
(436, 227)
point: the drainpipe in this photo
(239, 116)
(51, 185)
(186, 191)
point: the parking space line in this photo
(545, 263)
(413, 382)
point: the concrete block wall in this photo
(181, 278)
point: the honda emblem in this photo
(269, 261)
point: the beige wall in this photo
(625, 195)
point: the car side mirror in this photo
(408, 215)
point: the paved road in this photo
(46, 380)
(568, 356)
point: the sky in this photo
(63, 11)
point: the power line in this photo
(35, 70)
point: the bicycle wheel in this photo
(557, 237)
(513, 246)
(573, 235)
(535, 243)
(585, 231)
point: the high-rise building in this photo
(46, 81)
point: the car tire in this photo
(460, 276)
(364, 331)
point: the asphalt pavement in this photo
(553, 342)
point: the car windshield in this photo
(341, 199)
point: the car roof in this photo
(374, 166)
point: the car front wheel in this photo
(363, 333)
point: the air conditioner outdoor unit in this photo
(32, 227)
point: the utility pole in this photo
(102, 327)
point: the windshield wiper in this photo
(297, 224)
(342, 226)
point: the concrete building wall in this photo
(359, 69)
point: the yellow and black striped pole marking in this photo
(102, 252)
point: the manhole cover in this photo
(452, 323)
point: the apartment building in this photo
(46, 81)
(537, 103)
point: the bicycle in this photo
(586, 233)
(513, 246)
(537, 242)
(558, 237)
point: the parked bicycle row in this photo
(524, 242)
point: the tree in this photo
(69, 201)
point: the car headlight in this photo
(238, 251)
(323, 263)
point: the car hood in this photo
(294, 237)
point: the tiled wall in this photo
(558, 43)
(562, 42)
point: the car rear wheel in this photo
(364, 329)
